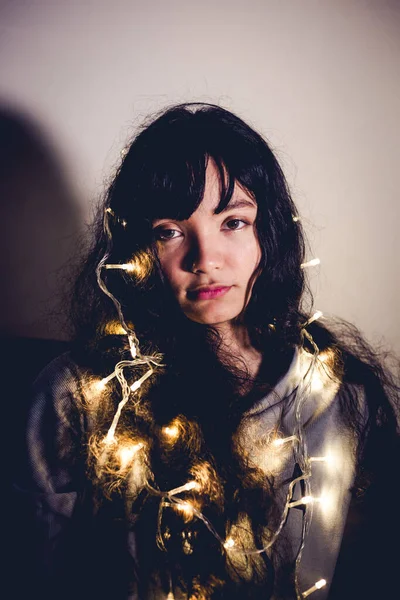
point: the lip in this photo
(208, 292)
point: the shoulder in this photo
(56, 395)
(56, 426)
(62, 386)
(60, 374)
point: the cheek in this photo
(250, 260)
(170, 270)
(258, 255)
(250, 266)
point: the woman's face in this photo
(209, 259)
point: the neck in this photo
(236, 344)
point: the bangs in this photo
(178, 192)
(169, 179)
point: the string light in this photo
(191, 485)
(137, 384)
(326, 356)
(127, 453)
(317, 315)
(316, 382)
(171, 431)
(317, 586)
(111, 212)
(141, 266)
(141, 263)
(186, 508)
(110, 438)
(102, 384)
(282, 441)
(124, 266)
(134, 387)
(304, 500)
(189, 509)
(132, 346)
(296, 219)
(311, 263)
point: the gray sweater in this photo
(55, 473)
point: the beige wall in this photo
(319, 78)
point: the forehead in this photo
(211, 199)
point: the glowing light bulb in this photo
(123, 266)
(171, 431)
(109, 439)
(100, 385)
(192, 485)
(136, 384)
(328, 502)
(229, 543)
(316, 382)
(328, 459)
(326, 356)
(317, 586)
(127, 453)
(129, 267)
(278, 442)
(140, 264)
(132, 346)
(170, 596)
(317, 315)
(295, 219)
(186, 508)
(303, 500)
(307, 499)
(281, 441)
(311, 263)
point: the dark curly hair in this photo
(162, 174)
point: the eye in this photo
(164, 233)
(235, 224)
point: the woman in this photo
(208, 437)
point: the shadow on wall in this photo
(40, 226)
(39, 229)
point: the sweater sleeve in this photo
(69, 549)
(50, 480)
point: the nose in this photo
(205, 255)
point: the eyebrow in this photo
(239, 203)
(232, 205)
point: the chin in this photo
(213, 319)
